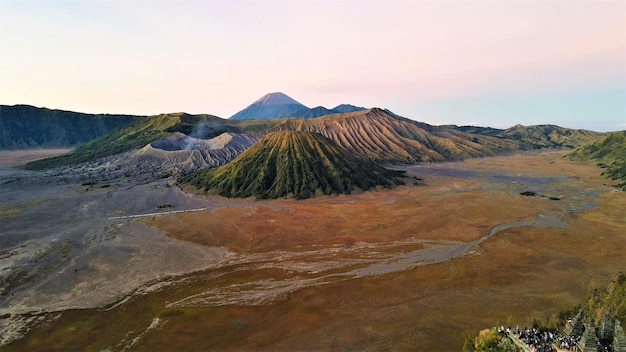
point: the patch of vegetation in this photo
(63, 249)
(608, 148)
(417, 181)
(609, 153)
(131, 136)
(488, 341)
(13, 209)
(617, 171)
(550, 136)
(611, 299)
(13, 280)
(528, 193)
(292, 164)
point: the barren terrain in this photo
(411, 268)
(11, 158)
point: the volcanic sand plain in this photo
(411, 268)
(9, 158)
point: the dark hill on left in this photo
(27, 127)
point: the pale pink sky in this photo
(487, 63)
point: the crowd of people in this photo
(568, 343)
(541, 341)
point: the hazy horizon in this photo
(465, 63)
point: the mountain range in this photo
(180, 143)
(279, 105)
(372, 134)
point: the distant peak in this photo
(271, 106)
(347, 108)
(276, 98)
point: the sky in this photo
(485, 63)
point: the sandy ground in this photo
(16, 158)
(405, 269)
(59, 250)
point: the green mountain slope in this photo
(537, 136)
(550, 136)
(25, 127)
(608, 152)
(291, 164)
(610, 299)
(131, 136)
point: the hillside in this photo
(132, 136)
(537, 136)
(291, 164)
(608, 152)
(607, 149)
(26, 127)
(610, 299)
(550, 136)
(377, 135)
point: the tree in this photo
(488, 341)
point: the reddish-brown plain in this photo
(520, 274)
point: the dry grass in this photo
(520, 274)
(432, 212)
